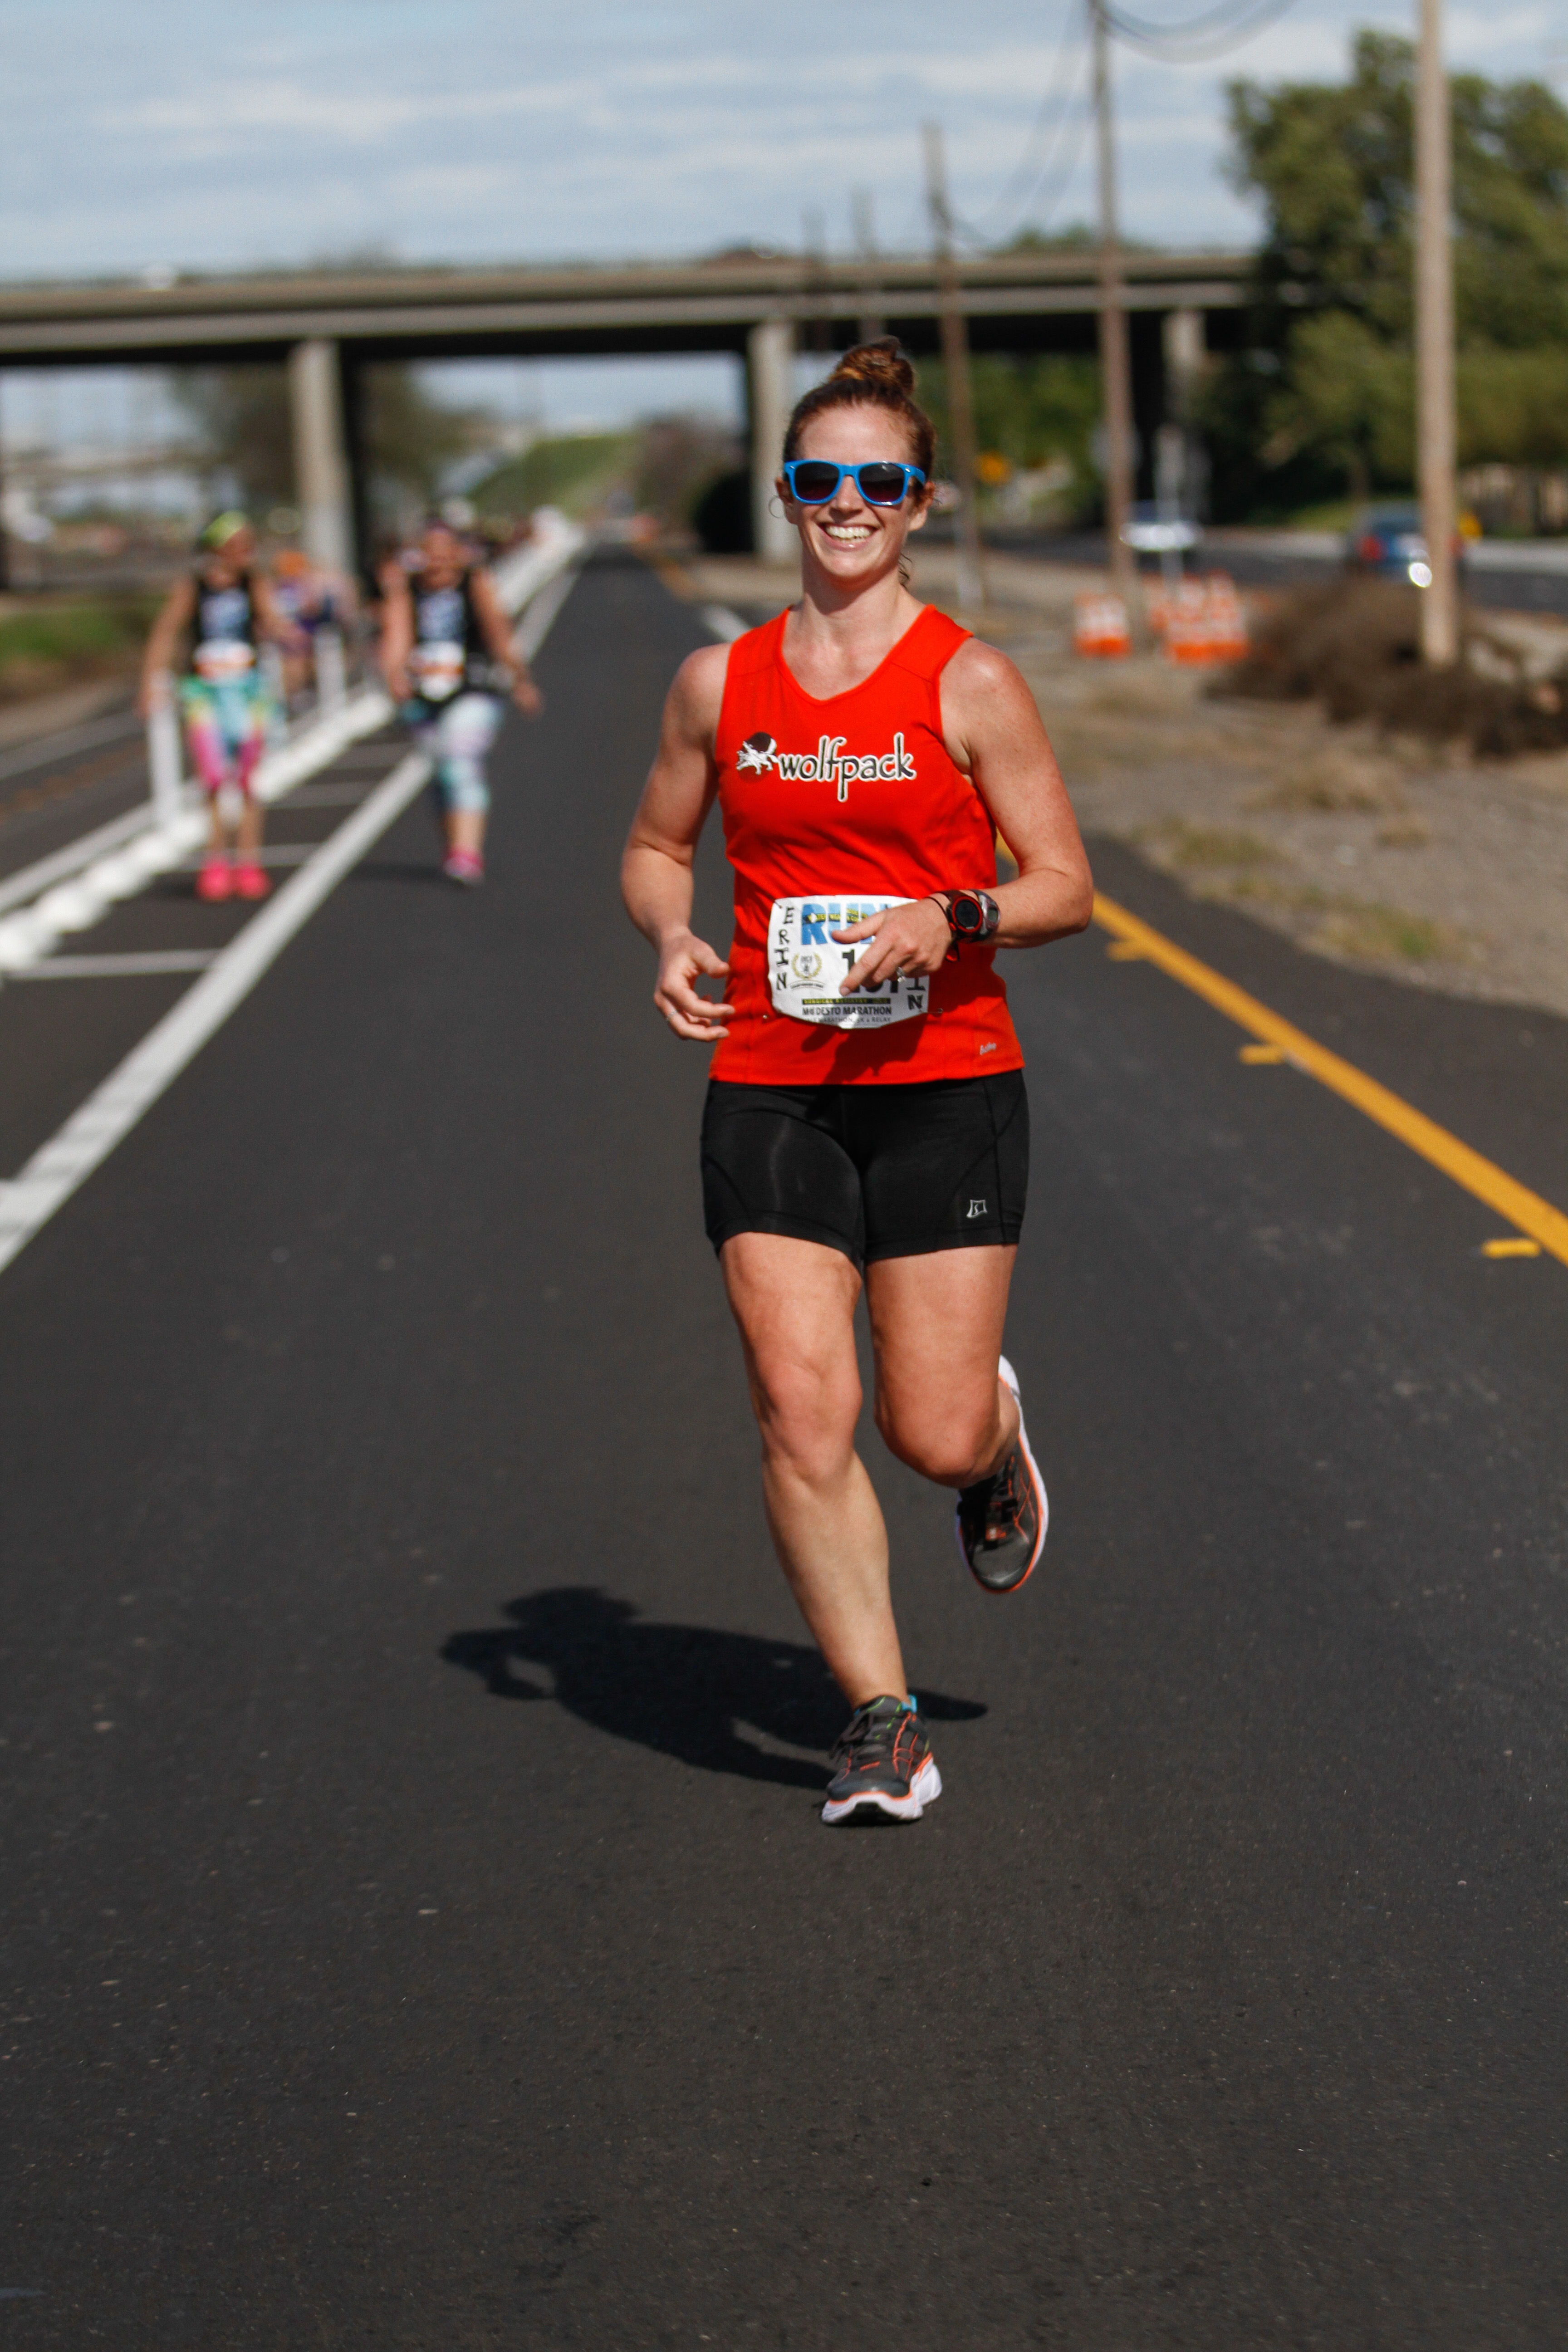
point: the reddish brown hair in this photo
(872, 375)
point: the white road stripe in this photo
(32, 881)
(122, 727)
(120, 967)
(86, 1140)
(726, 625)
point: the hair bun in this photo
(881, 363)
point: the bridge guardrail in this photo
(118, 860)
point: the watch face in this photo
(968, 915)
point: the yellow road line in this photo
(1524, 1208)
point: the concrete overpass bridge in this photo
(328, 326)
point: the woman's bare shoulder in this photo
(697, 693)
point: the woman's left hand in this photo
(912, 938)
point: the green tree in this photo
(245, 424)
(1029, 411)
(1326, 389)
(241, 419)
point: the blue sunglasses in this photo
(881, 481)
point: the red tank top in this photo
(858, 793)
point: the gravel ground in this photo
(1431, 866)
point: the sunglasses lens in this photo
(815, 480)
(883, 485)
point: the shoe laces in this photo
(869, 1730)
(998, 1504)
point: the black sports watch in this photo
(971, 914)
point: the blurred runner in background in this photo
(313, 598)
(448, 655)
(227, 608)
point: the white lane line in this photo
(537, 621)
(130, 966)
(33, 880)
(40, 754)
(726, 625)
(86, 1139)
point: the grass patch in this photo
(1385, 935)
(1409, 834)
(1198, 848)
(571, 470)
(1320, 789)
(50, 646)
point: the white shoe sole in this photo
(1009, 1379)
(924, 1789)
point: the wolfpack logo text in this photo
(829, 762)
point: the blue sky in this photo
(214, 134)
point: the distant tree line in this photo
(1323, 398)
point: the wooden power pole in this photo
(1436, 424)
(955, 361)
(1115, 367)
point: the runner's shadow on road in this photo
(682, 1690)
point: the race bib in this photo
(221, 660)
(806, 964)
(437, 670)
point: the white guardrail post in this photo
(163, 750)
(331, 677)
(74, 886)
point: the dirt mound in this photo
(1355, 647)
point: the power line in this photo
(1202, 39)
(1032, 166)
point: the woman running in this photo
(865, 1122)
(447, 648)
(226, 607)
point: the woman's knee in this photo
(942, 1438)
(806, 1412)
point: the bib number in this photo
(807, 965)
(437, 670)
(222, 660)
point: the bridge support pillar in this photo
(1183, 460)
(770, 382)
(321, 456)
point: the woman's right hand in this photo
(682, 957)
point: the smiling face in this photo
(226, 566)
(850, 541)
(442, 553)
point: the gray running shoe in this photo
(1001, 1520)
(883, 1760)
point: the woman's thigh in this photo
(794, 1304)
(936, 1334)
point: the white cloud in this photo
(451, 129)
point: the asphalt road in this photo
(420, 1933)
(1518, 587)
(55, 788)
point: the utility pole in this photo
(1115, 369)
(955, 361)
(813, 244)
(1435, 426)
(865, 246)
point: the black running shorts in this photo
(876, 1171)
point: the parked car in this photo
(1388, 543)
(1153, 529)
